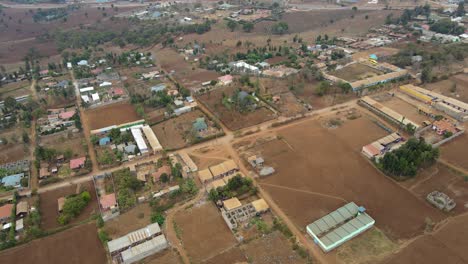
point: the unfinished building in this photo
(441, 201)
(234, 212)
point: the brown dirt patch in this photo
(113, 114)
(129, 221)
(49, 208)
(234, 120)
(355, 72)
(204, 232)
(75, 246)
(272, 248)
(327, 164)
(234, 255)
(444, 87)
(456, 151)
(406, 109)
(63, 141)
(168, 256)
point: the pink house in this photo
(117, 91)
(67, 115)
(108, 201)
(225, 80)
(77, 163)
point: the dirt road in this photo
(85, 126)
(33, 179)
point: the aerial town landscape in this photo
(238, 131)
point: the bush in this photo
(103, 236)
(73, 206)
(99, 222)
(158, 218)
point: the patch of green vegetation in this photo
(235, 187)
(73, 206)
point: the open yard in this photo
(74, 246)
(168, 256)
(113, 114)
(233, 119)
(400, 106)
(15, 149)
(319, 169)
(203, 232)
(64, 141)
(355, 72)
(15, 89)
(49, 206)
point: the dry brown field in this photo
(65, 141)
(74, 246)
(113, 114)
(456, 151)
(325, 166)
(15, 89)
(355, 72)
(233, 255)
(272, 248)
(135, 218)
(204, 233)
(440, 178)
(49, 208)
(400, 106)
(174, 133)
(15, 149)
(168, 256)
(233, 119)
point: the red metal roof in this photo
(77, 163)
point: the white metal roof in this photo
(144, 249)
(152, 139)
(138, 136)
(86, 89)
(132, 237)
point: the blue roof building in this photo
(13, 180)
(104, 141)
(373, 56)
(200, 124)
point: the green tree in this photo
(164, 178)
(25, 137)
(322, 88)
(248, 26)
(232, 25)
(158, 218)
(426, 74)
(280, 28)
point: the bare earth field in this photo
(204, 233)
(129, 221)
(168, 256)
(173, 133)
(272, 248)
(113, 114)
(49, 207)
(233, 119)
(404, 108)
(75, 246)
(15, 89)
(65, 140)
(326, 165)
(456, 151)
(233, 255)
(15, 149)
(355, 72)
(440, 178)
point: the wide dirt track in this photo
(319, 169)
(74, 246)
(113, 114)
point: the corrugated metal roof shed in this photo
(145, 249)
(133, 237)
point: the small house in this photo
(22, 209)
(130, 149)
(108, 202)
(199, 125)
(5, 213)
(76, 164)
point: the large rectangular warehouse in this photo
(340, 226)
(144, 250)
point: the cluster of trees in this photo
(253, 56)
(446, 26)
(246, 25)
(409, 14)
(280, 28)
(144, 34)
(405, 161)
(73, 206)
(325, 40)
(126, 185)
(240, 101)
(235, 187)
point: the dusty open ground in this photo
(398, 105)
(456, 151)
(355, 72)
(233, 119)
(203, 232)
(132, 220)
(319, 169)
(113, 114)
(15, 89)
(49, 207)
(75, 246)
(63, 141)
(168, 256)
(15, 149)
(272, 248)
(175, 133)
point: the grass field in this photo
(355, 72)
